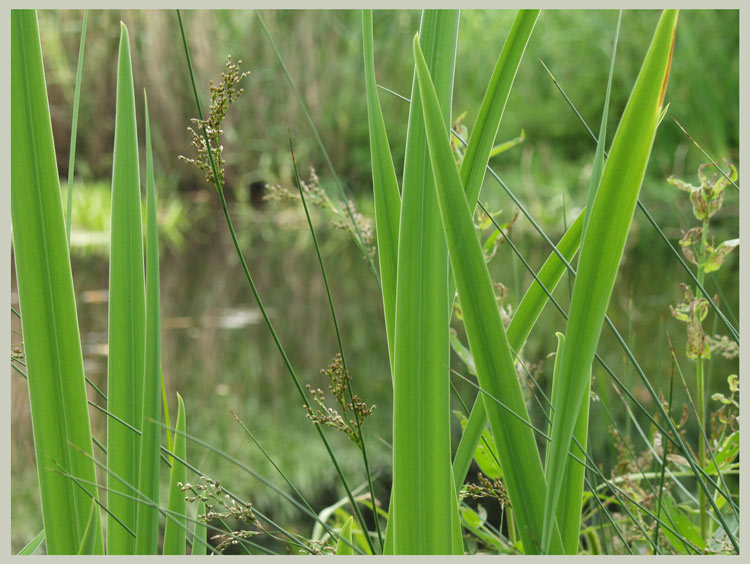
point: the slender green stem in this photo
(256, 295)
(701, 396)
(357, 420)
(357, 232)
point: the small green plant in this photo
(706, 200)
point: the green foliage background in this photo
(203, 293)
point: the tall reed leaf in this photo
(147, 530)
(602, 247)
(571, 502)
(175, 534)
(514, 438)
(493, 104)
(571, 499)
(126, 312)
(384, 185)
(57, 392)
(531, 306)
(422, 483)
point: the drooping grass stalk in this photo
(74, 126)
(385, 188)
(127, 318)
(514, 439)
(174, 532)
(57, 392)
(602, 248)
(147, 524)
(256, 295)
(272, 525)
(357, 419)
(422, 483)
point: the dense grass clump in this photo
(496, 317)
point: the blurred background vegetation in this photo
(217, 352)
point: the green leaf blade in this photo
(175, 532)
(421, 499)
(385, 186)
(606, 233)
(344, 547)
(147, 525)
(126, 312)
(491, 111)
(57, 393)
(488, 342)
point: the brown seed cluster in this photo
(353, 413)
(222, 97)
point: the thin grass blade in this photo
(569, 510)
(199, 544)
(33, 544)
(74, 126)
(57, 390)
(602, 249)
(175, 535)
(384, 185)
(127, 317)
(491, 111)
(514, 438)
(89, 540)
(147, 524)
(421, 505)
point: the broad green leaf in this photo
(601, 251)
(199, 531)
(147, 530)
(342, 548)
(175, 535)
(514, 439)
(384, 185)
(523, 321)
(33, 544)
(126, 313)
(421, 505)
(57, 392)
